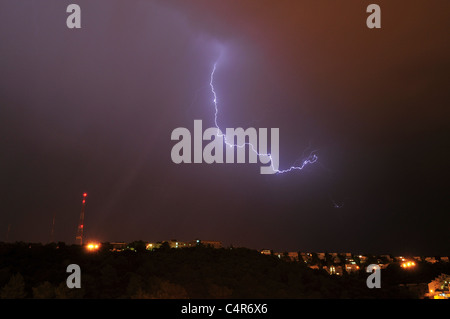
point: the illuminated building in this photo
(118, 246)
(362, 258)
(430, 260)
(173, 243)
(439, 288)
(151, 246)
(293, 256)
(306, 257)
(351, 267)
(333, 270)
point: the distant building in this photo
(151, 246)
(293, 256)
(362, 258)
(118, 246)
(334, 270)
(430, 260)
(266, 252)
(321, 256)
(336, 259)
(173, 243)
(444, 259)
(348, 258)
(306, 257)
(331, 270)
(194, 243)
(352, 267)
(439, 287)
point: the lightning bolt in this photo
(312, 158)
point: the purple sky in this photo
(93, 109)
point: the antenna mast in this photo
(79, 237)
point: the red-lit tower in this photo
(79, 237)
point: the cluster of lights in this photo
(350, 267)
(92, 246)
(408, 264)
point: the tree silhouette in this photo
(44, 291)
(14, 289)
(168, 290)
(164, 246)
(194, 272)
(63, 292)
(219, 292)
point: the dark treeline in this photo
(39, 271)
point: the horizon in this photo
(228, 246)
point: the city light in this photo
(408, 264)
(92, 246)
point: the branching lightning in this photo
(312, 158)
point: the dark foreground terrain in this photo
(39, 271)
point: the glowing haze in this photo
(92, 109)
(311, 159)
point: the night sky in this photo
(92, 110)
